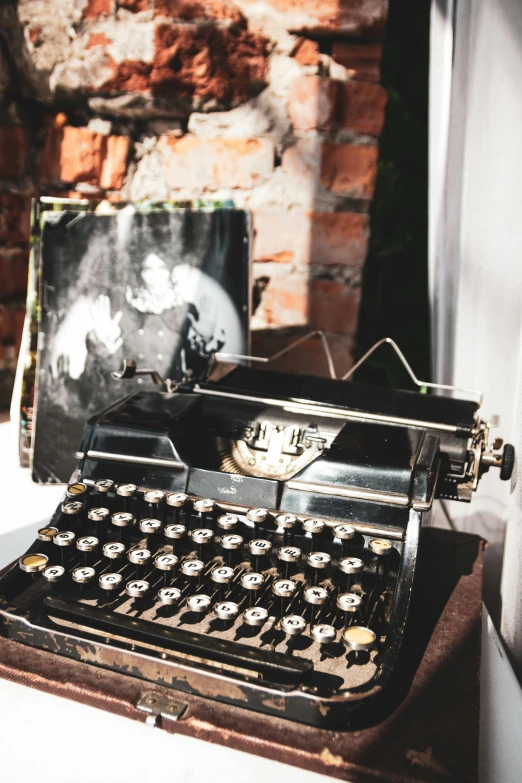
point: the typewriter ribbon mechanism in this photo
(250, 536)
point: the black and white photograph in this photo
(165, 288)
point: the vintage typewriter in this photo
(250, 537)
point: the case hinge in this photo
(158, 706)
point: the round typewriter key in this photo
(46, 535)
(87, 545)
(110, 582)
(141, 559)
(226, 610)
(283, 589)
(351, 566)
(317, 596)
(174, 533)
(64, 539)
(287, 522)
(380, 546)
(358, 638)
(258, 516)
(154, 496)
(114, 550)
(33, 563)
(350, 604)
(222, 575)
(76, 490)
(167, 564)
(253, 583)
(203, 535)
(72, 507)
(150, 529)
(228, 522)
(199, 603)
(318, 561)
(122, 520)
(126, 490)
(54, 574)
(293, 624)
(99, 516)
(193, 569)
(255, 616)
(169, 596)
(344, 533)
(289, 555)
(103, 485)
(83, 575)
(205, 509)
(137, 588)
(323, 634)
(231, 543)
(176, 501)
(259, 548)
(315, 527)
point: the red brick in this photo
(334, 306)
(300, 237)
(306, 52)
(114, 165)
(95, 8)
(192, 162)
(15, 217)
(13, 273)
(199, 9)
(362, 106)
(309, 357)
(73, 155)
(349, 169)
(13, 150)
(350, 17)
(362, 60)
(206, 61)
(98, 39)
(339, 238)
(311, 103)
(135, 6)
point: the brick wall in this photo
(275, 105)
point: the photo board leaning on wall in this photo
(167, 287)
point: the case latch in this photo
(159, 706)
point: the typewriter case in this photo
(313, 448)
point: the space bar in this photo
(276, 667)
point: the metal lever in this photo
(227, 357)
(130, 370)
(416, 381)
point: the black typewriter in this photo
(250, 538)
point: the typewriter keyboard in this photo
(258, 591)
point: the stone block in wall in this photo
(15, 216)
(361, 107)
(349, 169)
(334, 305)
(13, 273)
(114, 163)
(306, 52)
(210, 164)
(81, 155)
(349, 17)
(361, 60)
(311, 103)
(13, 150)
(303, 238)
(309, 357)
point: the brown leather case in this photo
(426, 729)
